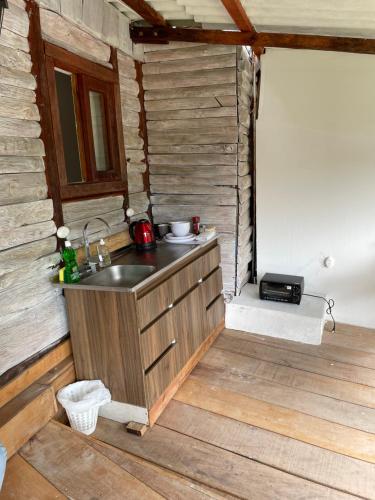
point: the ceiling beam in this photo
(239, 15)
(316, 42)
(282, 40)
(146, 12)
(165, 35)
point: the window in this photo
(87, 125)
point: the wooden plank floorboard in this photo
(74, 467)
(168, 484)
(23, 482)
(304, 362)
(292, 456)
(291, 423)
(359, 339)
(310, 382)
(340, 353)
(232, 374)
(211, 465)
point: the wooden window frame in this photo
(96, 77)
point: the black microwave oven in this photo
(281, 288)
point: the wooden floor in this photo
(259, 418)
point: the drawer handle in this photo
(200, 281)
(170, 306)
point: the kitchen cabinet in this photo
(143, 343)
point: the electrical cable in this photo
(330, 303)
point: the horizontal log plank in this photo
(18, 188)
(197, 171)
(65, 34)
(15, 258)
(195, 179)
(132, 139)
(193, 189)
(129, 86)
(112, 218)
(16, 20)
(193, 103)
(187, 92)
(16, 93)
(227, 100)
(129, 102)
(10, 76)
(21, 214)
(23, 334)
(191, 199)
(77, 210)
(17, 108)
(193, 159)
(221, 216)
(25, 234)
(15, 146)
(13, 127)
(194, 149)
(191, 113)
(10, 39)
(195, 78)
(40, 269)
(15, 59)
(18, 164)
(26, 296)
(139, 202)
(187, 53)
(196, 64)
(196, 136)
(130, 118)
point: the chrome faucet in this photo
(86, 239)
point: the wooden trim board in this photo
(176, 383)
(35, 371)
(25, 415)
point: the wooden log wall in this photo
(198, 126)
(33, 312)
(245, 156)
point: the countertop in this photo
(164, 256)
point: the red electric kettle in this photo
(142, 234)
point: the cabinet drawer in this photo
(215, 313)
(156, 339)
(155, 302)
(161, 375)
(212, 286)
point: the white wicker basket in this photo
(81, 401)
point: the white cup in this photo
(180, 228)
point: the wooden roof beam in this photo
(289, 41)
(316, 42)
(146, 12)
(169, 34)
(239, 15)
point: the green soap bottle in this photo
(71, 273)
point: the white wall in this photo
(316, 175)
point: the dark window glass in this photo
(64, 86)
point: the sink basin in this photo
(125, 276)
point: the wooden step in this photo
(25, 415)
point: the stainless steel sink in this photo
(125, 276)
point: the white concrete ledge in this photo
(301, 323)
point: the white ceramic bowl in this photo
(180, 228)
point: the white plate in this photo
(171, 236)
(173, 241)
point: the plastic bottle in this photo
(103, 254)
(71, 273)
